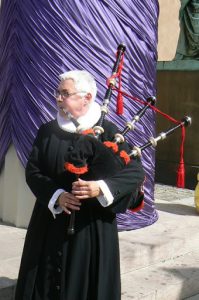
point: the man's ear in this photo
(88, 97)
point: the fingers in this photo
(68, 202)
(80, 189)
(67, 207)
(71, 199)
(82, 192)
(80, 184)
(66, 210)
(85, 189)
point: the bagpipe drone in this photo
(99, 156)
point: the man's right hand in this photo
(68, 202)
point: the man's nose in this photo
(59, 98)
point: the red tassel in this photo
(181, 169)
(181, 175)
(120, 108)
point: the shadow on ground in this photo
(178, 209)
(189, 278)
(7, 288)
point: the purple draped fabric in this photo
(39, 39)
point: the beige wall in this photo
(168, 29)
(16, 200)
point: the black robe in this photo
(84, 266)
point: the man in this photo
(84, 266)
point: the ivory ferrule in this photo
(106, 101)
(112, 81)
(119, 138)
(98, 130)
(163, 135)
(153, 141)
(160, 137)
(136, 152)
(130, 125)
(136, 118)
(104, 109)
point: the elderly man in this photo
(84, 266)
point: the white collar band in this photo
(86, 122)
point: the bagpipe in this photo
(99, 155)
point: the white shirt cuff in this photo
(52, 201)
(107, 198)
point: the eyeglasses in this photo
(65, 94)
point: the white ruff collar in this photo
(86, 122)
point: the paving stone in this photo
(173, 279)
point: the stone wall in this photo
(178, 96)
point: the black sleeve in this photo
(125, 186)
(127, 180)
(42, 186)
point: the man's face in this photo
(70, 100)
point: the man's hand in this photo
(82, 189)
(68, 202)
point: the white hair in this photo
(84, 81)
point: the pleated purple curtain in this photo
(39, 39)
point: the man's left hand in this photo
(82, 189)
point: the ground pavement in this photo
(158, 262)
